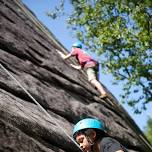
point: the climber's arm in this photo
(67, 56)
(78, 67)
(63, 56)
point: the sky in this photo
(63, 34)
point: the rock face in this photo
(29, 52)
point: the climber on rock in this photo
(85, 61)
(91, 136)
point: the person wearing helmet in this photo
(85, 61)
(91, 136)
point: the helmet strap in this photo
(90, 140)
(87, 134)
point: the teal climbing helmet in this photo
(77, 44)
(89, 123)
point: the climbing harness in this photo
(40, 107)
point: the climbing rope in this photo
(40, 107)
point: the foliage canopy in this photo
(148, 130)
(121, 33)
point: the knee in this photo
(93, 81)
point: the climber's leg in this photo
(93, 80)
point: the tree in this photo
(121, 33)
(148, 130)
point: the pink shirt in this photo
(83, 58)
